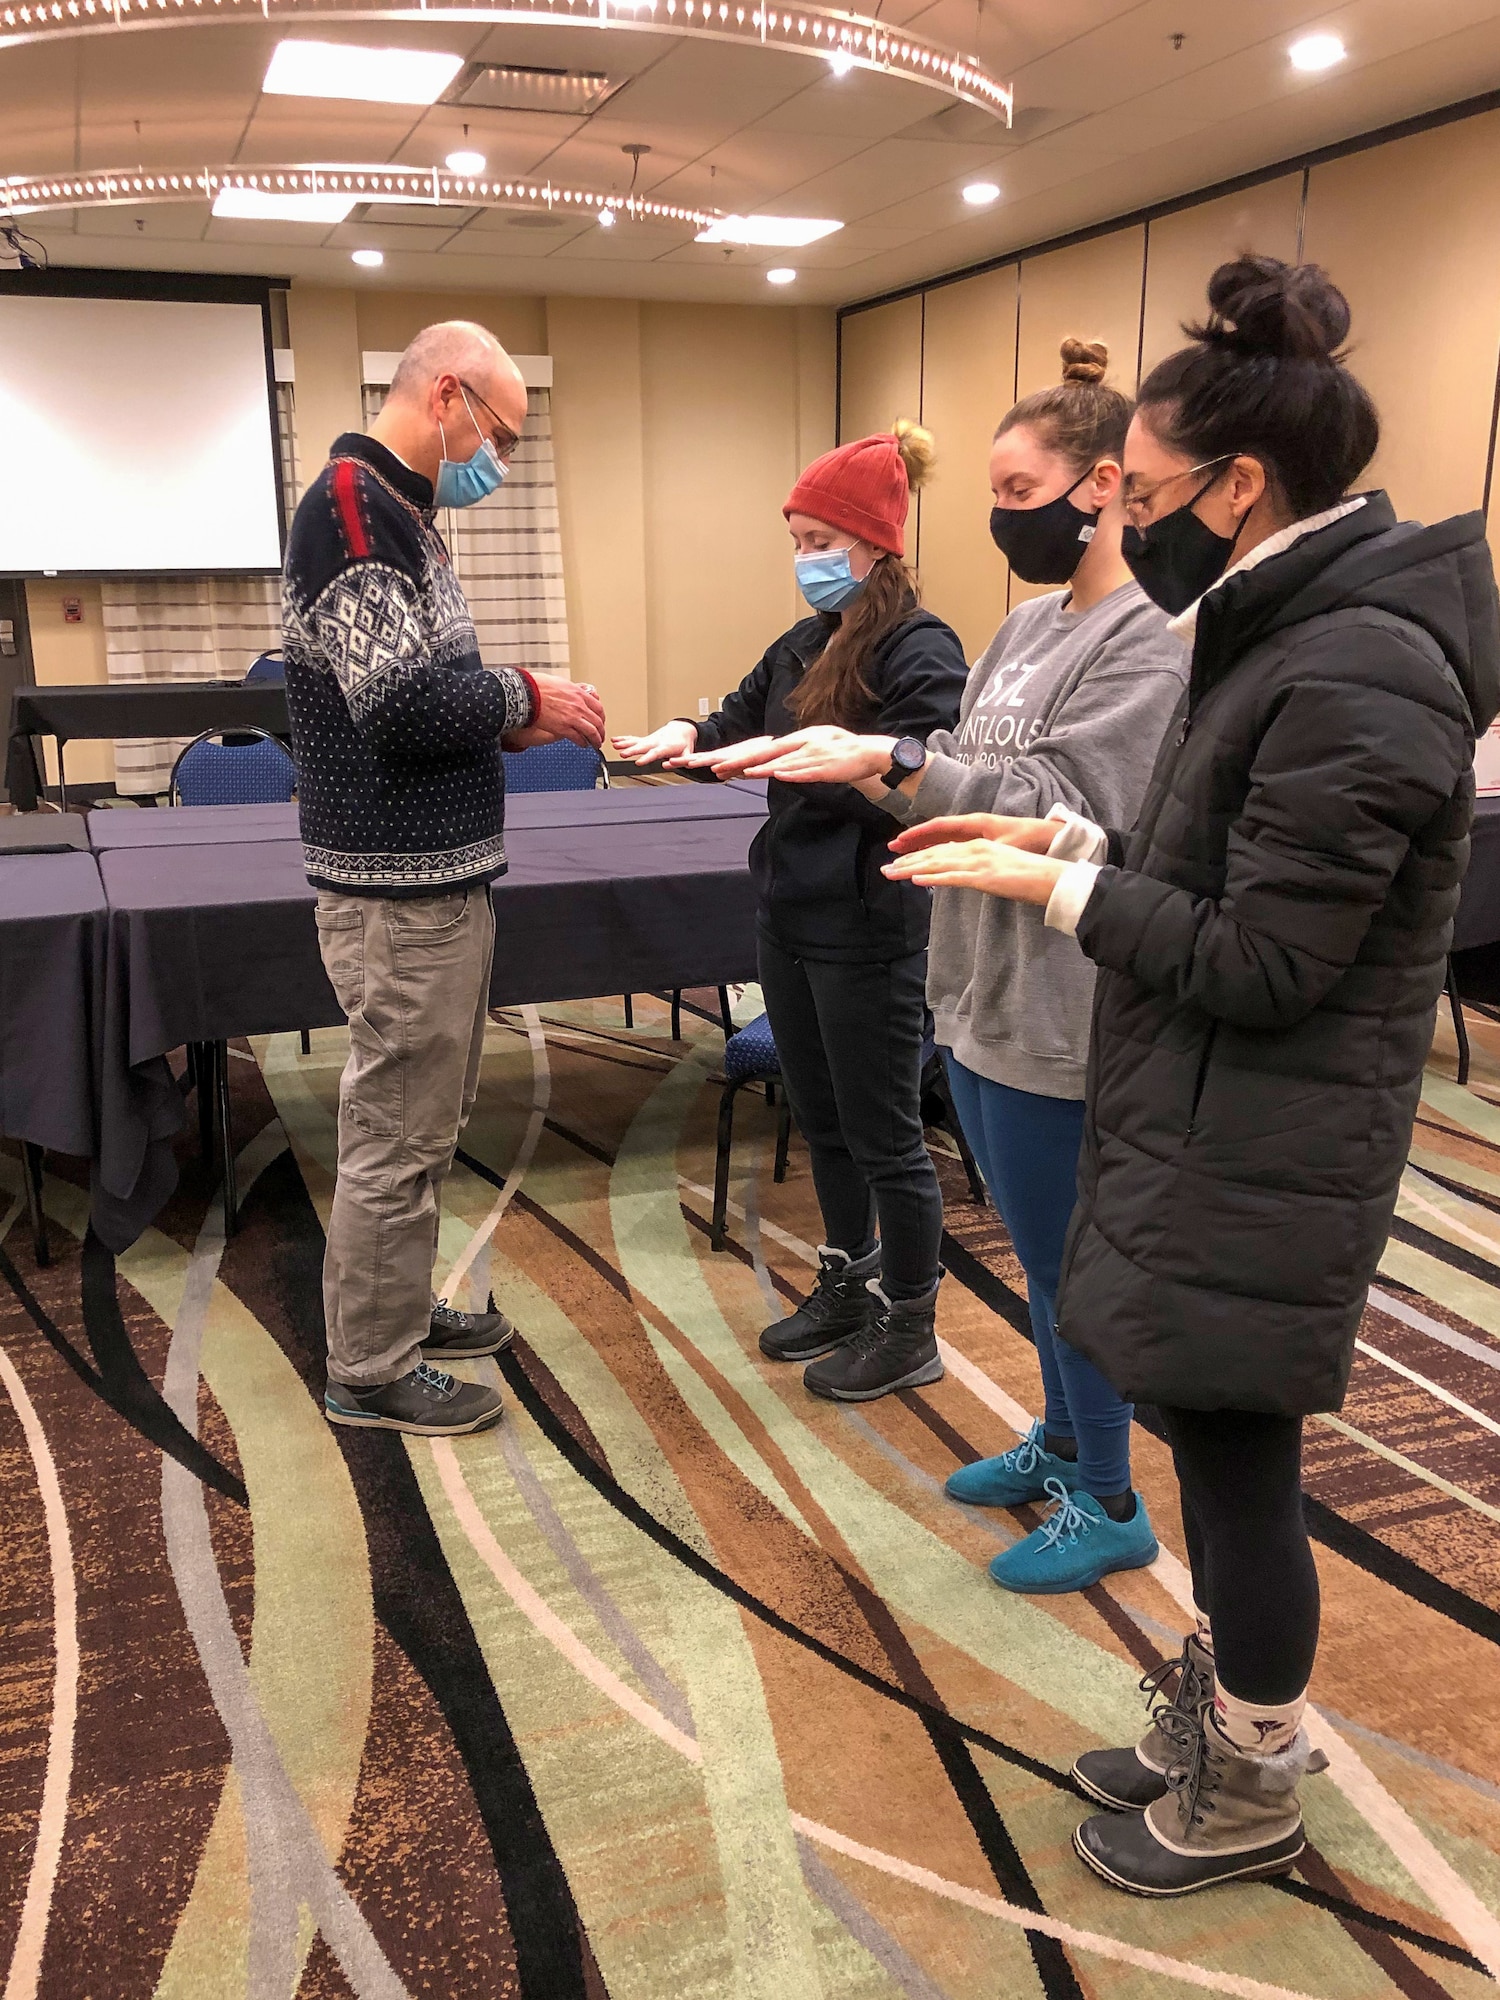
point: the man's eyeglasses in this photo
(503, 438)
(1138, 504)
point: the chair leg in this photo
(676, 1013)
(629, 1010)
(200, 1054)
(306, 1042)
(721, 1167)
(1460, 1026)
(783, 1138)
(226, 1137)
(966, 1154)
(726, 1012)
(31, 1175)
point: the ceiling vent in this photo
(568, 93)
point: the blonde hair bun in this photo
(1084, 360)
(918, 452)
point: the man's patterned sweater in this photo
(396, 722)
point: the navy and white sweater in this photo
(396, 721)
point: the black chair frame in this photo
(1460, 1026)
(726, 1012)
(727, 1096)
(221, 735)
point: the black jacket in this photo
(1273, 939)
(817, 860)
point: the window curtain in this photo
(192, 628)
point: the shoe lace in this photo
(433, 1378)
(1026, 1456)
(1067, 1518)
(449, 1315)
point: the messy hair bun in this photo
(1264, 375)
(917, 449)
(1258, 305)
(1084, 360)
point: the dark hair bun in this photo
(1290, 312)
(1084, 360)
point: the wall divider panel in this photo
(1183, 250)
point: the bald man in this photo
(398, 727)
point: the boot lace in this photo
(1067, 1518)
(448, 1315)
(1193, 1774)
(1191, 1690)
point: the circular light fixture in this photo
(1315, 52)
(780, 276)
(841, 62)
(465, 162)
(979, 194)
(367, 260)
(606, 218)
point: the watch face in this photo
(909, 754)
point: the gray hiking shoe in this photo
(897, 1350)
(1226, 1817)
(839, 1305)
(460, 1336)
(1130, 1780)
(425, 1401)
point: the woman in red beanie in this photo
(842, 950)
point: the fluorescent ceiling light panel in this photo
(373, 76)
(255, 205)
(768, 232)
(1316, 52)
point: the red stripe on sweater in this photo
(346, 499)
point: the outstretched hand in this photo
(1035, 836)
(669, 745)
(566, 710)
(993, 866)
(730, 760)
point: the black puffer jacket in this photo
(1274, 936)
(817, 860)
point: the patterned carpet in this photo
(680, 1685)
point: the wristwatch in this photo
(907, 758)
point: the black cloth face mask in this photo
(1044, 544)
(1177, 558)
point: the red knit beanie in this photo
(861, 488)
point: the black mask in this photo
(1044, 544)
(1177, 558)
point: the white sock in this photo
(1204, 1634)
(1257, 1728)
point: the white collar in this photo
(1185, 625)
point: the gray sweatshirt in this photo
(1062, 708)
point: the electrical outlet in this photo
(705, 706)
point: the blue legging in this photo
(1027, 1149)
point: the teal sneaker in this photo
(1075, 1546)
(1016, 1475)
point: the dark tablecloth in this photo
(1478, 919)
(161, 708)
(51, 953)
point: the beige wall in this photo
(882, 369)
(1411, 232)
(65, 655)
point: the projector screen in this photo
(135, 434)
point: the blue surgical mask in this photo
(462, 482)
(826, 581)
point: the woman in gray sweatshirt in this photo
(1062, 716)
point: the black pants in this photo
(1240, 1474)
(850, 1042)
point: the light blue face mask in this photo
(462, 482)
(825, 580)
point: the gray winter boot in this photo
(1131, 1780)
(1226, 1817)
(897, 1350)
(837, 1307)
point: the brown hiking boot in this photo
(1226, 1817)
(1131, 1780)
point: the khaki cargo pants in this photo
(413, 976)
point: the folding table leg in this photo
(726, 1012)
(1460, 1026)
(629, 1011)
(226, 1136)
(306, 1043)
(31, 1175)
(783, 1137)
(201, 1063)
(676, 1013)
(721, 1168)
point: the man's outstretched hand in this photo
(568, 711)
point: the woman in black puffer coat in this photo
(1272, 939)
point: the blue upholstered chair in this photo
(269, 667)
(554, 767)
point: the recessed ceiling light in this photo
(463, 162)
(979, 194)
(1315, 52)
(768, 232)
(606, 218)
(368, 260)
(255, 205)
(780, 276)
(841, 62)
(374, 76)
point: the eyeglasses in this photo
(1137, 504)
(503, 438)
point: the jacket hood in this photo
(1440, 579)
